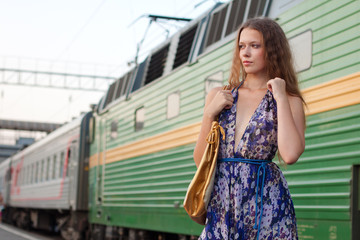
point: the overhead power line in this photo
(77, 34)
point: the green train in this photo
(141, 136)
(146, 126)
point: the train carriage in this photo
(5, 171)
(47, 182)
(146, 126)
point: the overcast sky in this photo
(78, 36)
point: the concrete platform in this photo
(8, 232)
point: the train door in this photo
(101, 145)
(7, 185)
(70, 170)
(83, 162)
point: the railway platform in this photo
(8, 232)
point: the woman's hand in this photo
(222, 99)
(216, 101)
(278, 88)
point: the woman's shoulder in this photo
(296, 104)
(294, 100)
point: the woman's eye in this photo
(241, 46)
(256, 45)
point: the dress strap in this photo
(262, 168)
(241, 83)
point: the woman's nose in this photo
(246, 52)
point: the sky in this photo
(90, 37)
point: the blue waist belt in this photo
(262, 167)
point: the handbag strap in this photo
(213, 135)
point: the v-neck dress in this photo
(231, 213)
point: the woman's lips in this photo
(247, 63)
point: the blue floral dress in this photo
(233, 211)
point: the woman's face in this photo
(252, 51)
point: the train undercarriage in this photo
(72, 225)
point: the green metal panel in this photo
(336, 44)
(147, 192)
(320, 182)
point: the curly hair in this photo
(278, 56)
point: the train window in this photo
(42, 170)
(48, 169)
(54, 167)
(23, 175)
(301, 47)
(68, 162)
(114, 129)
(257, 8)
(29, 174)
(237, 13)
(123, 84)
(119, 87)
(173, 105)
(110, 94)
(214, 80)
(19, 175)
(91, 129)
(139, 118)
(138, 78)
(216, 27)
(184, 47)
(35, 172)
(228, 18)
(26, 175)
(128, 79)
(36, 177)
(157, 64)
(61, 165)
(32, 180)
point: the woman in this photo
(262, 113)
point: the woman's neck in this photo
(255, 82)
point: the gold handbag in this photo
(198, 194)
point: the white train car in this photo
(49, 181)
(5, 169)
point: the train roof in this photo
(212, 29)
(51, 136)
(200, 36)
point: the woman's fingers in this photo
(223, 99)
(278, 87)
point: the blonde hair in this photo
(278, 56)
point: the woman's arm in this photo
(291, 128)
(291, 122)
(216, 100)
